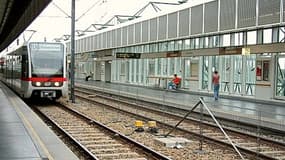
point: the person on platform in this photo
(216, 83)
(175, 82)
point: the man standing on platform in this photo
(216, 83)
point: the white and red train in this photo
(37, 69)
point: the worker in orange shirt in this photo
(175, 82)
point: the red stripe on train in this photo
(44, 79)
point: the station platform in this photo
(270, 114)
(23, 135)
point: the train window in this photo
(25, 67)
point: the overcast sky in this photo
(53, 22)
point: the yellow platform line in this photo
(34, 133)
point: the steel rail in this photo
(196, 134)
(62, 131)
(118, 134)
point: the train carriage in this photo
(37, 69)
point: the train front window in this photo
(47, 59)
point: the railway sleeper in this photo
(76, 128)
(85, 135)
(95, 146)
(189, 127)
(82, 139)
(133, 159)
(259, 148)
(108, 141)
(118, 155)
(274, 153)
(280, 157)
(213, 134)
(247, 144)
(110, 150)
(234, 140)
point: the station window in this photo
(226, 39)
(163, 46)
(151, 67)
(194, 69)
(178, 45)
(186, 44)
(251, 37)
(262, 70)
(171, 46)
(282, 34)
(267, 36)
(146, 48)
(153, 47)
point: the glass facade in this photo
(239, 74)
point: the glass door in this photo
(280, 77)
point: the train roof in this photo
(23, 49)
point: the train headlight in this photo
(56, 84)
(38, 84)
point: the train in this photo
(36, 69)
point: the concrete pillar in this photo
(97, 71)
(108, 71)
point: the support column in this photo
(231, 84)
(243, 75)
(97, 71)
(210, 73)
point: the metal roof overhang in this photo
(16, 16)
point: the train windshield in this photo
(47, 59)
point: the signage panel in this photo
(128, 55)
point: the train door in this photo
(24, 73)
(280, 77)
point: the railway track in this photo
(251, 144)
(95, 139)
